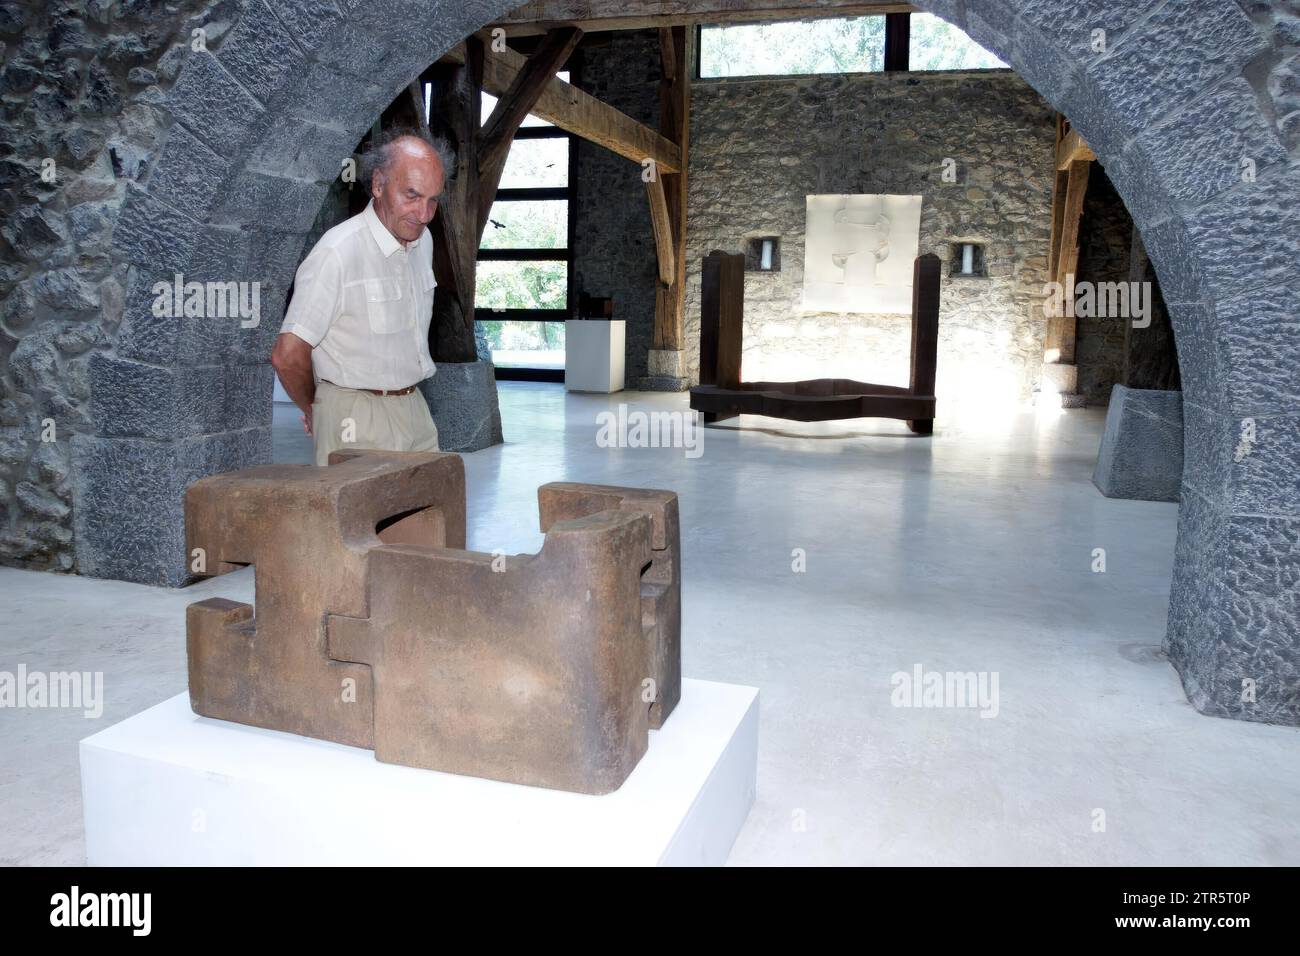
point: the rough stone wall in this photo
(1105, 237)
(760, 146)
(173, 153)
(614, 253)
(80, 118)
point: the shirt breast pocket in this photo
(385, 308)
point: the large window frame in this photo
(568, 193)
(898, 36)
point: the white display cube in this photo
(168, 787)
(593, 355)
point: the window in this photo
(525, 257)
(935, 44)
(794, 48)
(866, 44)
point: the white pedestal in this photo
(167, 787)
(593, 354)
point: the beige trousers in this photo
(344, 418)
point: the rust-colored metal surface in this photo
(375, 627)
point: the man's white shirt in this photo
(363, 301)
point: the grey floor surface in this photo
(968, 552)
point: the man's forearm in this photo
(300, 386)
(291, 359)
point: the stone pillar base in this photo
(667, 372)
(1141, 454)
(1060, 386)
(463, 399)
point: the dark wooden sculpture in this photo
(721, 394)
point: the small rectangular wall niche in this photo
(763, 254)
(966, 261)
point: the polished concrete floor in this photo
(968, 552)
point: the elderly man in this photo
(355, 340)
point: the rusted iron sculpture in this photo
(374, 626)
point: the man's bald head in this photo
(406, 173)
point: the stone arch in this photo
(1171, 106)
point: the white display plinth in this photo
(593, 354)
(167, 787)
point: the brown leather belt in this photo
(376, 391)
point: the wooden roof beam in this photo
(576, 112)
(540, 16)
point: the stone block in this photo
(189, 175)
(1208, 447)
(1199, 151)
(1249, 238)
(1258, 333)
(128, 499)
(260, 54)
(270, 203)
(1199, 365)
(1263, 473)
(1234, 621)
(1169, 244)
(211, 102)
(133, 399)
(1069, 24)
(297, 146)
(128, 510)
(1060, 378)
(349, 102)
(247, 395)
(462, 397)
(172, 339)
(356, 51)
(309, 22)
(1198, 619)
(1141, 454)
(150, 233)
(1175, 54)
(666, 362)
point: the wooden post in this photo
(454, 113)
(676, 46)
(898, 30)
(1072, 162)
(722, 317)
(1075, 190)
(925, 333)
(661, 226)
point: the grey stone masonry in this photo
(975, 146)
(1141, 454)
(463, 399)
(140, 142)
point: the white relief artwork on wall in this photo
(858, 253)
